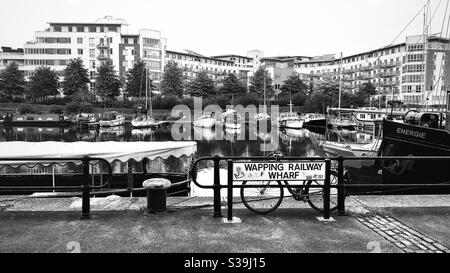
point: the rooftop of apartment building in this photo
(190, 53)
(336, 57)
(107, 20)
(6, 49)
(231, 56)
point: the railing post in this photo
(341, 186)
(217, 188)
(326, 190)
(86, 188)
(230, 190)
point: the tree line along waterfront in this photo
(72, 95)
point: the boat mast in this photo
(151, 104)
(340, 84)
(340, 81)
(265, 106)
(146, 88)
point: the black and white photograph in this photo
(236, 128)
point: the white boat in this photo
(207, 134)
(232, 119)
(205, 122)
(289, 120)
(262, 117)
(89, 120)
(111, 119)
(143, 121)
(364, 118)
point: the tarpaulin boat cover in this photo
(110, 151)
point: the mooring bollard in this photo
(156, 194)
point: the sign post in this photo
(279, 171)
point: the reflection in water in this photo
(210, 142)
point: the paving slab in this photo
(185, 230)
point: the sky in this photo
(218, 27)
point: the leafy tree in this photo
(233, 86)
(318, 102)
(44, 83)
(12, 81)
(368, 88)
(257, 85)
(76, 78)
(107, 82)
(328, 88)
(294, 85)
(202, 86)
(172, 80)
(135, 83)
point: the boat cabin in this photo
(430, 120)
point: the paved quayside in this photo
(373, 224)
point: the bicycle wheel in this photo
(314, 196)
(263, 199)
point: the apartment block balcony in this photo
(348, 71)
(103, 57)
(365, 68)
(389, 64)
(365, 77)
(388, 84)
(389, 74)
(103, 45)
(316, 75)
(329, 74)
(348, 79)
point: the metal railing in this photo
(217, 186)
(85, 180)
(343, 186)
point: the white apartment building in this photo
(397, 71)
(281, 68)
(217, 67)
(9, 55)
(95, 43)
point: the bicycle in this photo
(269, 196)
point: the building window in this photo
(91, 53)
(57, 29)
(112, 29)
(151, 42)
(80, 29)
(91, 41)
(92, 29)
(70, 29)
(80, 51)
(80, 41)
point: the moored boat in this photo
(314, 120)
(111, 119)
(205, 122)
(87, 120)
(31, 120)
(232, 119)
